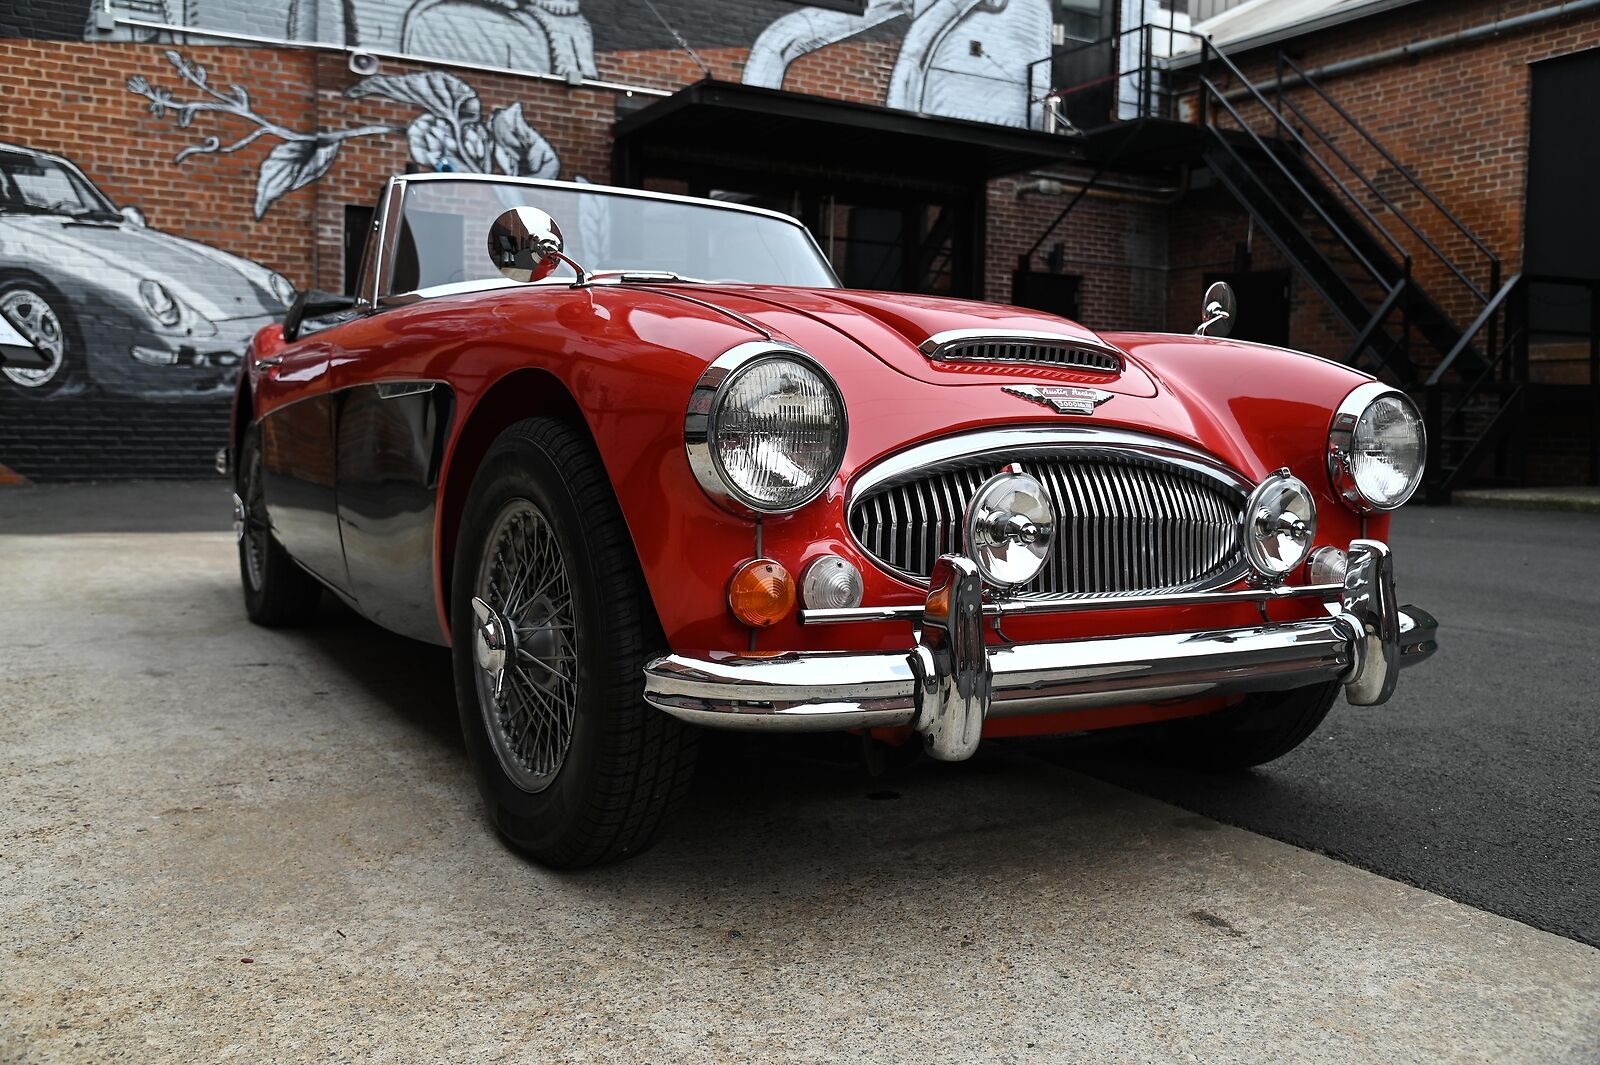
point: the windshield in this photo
(31, 183)
(444, 235)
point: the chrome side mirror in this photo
(1216, 311)
(525, 245)
(133, 215)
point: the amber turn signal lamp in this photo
(761, 593)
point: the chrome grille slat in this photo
(1127, 522)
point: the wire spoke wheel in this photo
(35, 319)
(530, 700)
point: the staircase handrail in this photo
(1250, 88)
(1490, 257)
(1405, 219)
(1221, 99)
(1490, 309)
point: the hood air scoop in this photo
(1022, 346)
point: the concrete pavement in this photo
(181, 792)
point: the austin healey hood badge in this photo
(1066, 399)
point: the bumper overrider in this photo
(950, 680)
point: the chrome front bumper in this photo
(949, 682)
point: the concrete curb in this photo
(1577, 499)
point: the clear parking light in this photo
(1327, 566)
(1377, 448)
(766, 429)
(1009, 526)
(830, 583)
(1280, 524)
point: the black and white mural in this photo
(451, 134)
(973, 59)
(112, 302)
(983, 60)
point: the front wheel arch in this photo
(519, 395)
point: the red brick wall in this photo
(1457, 118)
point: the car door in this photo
(292, 393)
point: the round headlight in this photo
(282, 289)
(765, 428)
(1377, 448)
(1009, 525)
(1280, 523)
(158, 301)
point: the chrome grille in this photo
(1125, 522)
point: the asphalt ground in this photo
(1480, 779)
(223, 843)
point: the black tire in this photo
(41, 313)
(1264, 727)
(277, 592)
(601, 787)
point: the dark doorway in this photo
(1084, 65)
(1263, 305)
(1563, 211)
(1053, 293)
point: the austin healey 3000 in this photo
(647, 469)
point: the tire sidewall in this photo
(518, 468)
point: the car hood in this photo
(891, 325)
(217, 285)
(1253, 406)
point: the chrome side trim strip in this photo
(1015, 607)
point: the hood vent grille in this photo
(1015, 346)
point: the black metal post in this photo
(1594, 382)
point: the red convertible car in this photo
(662, 473)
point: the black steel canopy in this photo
(732, 127)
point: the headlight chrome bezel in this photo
(700, 425)
(1341, 442)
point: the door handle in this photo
(268, 363)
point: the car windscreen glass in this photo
(445, 224)
(32, 182)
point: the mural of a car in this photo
(112, 302)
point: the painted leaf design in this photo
(433, 143)
(441, 94)
(518, 148)
(292, 165)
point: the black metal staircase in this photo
(1420, 292)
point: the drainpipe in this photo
(1416, 49)
(1047, 185)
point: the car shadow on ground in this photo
(777, 801)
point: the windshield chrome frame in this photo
(392, 205)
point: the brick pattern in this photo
(1458, 118)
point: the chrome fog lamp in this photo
(1377, 448)
(1009, 525)
(766, 428)
(1328, 565)
(831, 583)
(1280, 523)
